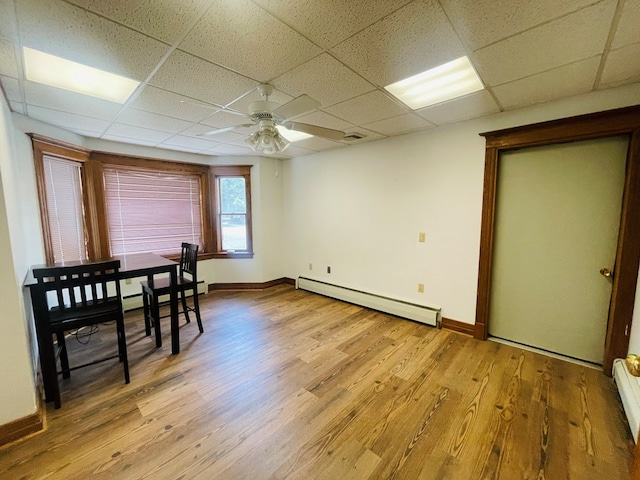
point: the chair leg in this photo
(196, 308)
(185, 308)
(155, 309)
(64, 357)
(147, 313)
(122, 348)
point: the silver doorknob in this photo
(605, 272)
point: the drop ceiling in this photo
(199, 61)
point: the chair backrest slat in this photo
(189, 259)
(79, 286)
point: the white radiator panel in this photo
(629, 389)
(400, 308)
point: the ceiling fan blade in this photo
(297, 106)
(315, 130)
(222, 130)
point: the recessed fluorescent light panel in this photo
(57, 72)
(451, 80)
(292, 135)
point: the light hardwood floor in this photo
(288, 384)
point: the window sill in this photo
(231, 255)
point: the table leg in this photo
(45, 345)
(175, 330)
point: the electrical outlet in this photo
(421, 237)
(328, 269)
(421, 288)
(311, 266)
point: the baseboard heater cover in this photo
(629, 390)
(413, 311)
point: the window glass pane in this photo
(63, 183)
(151, 211)
(234, 232)
(233, 197)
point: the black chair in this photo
(70, 298)
(187, 280)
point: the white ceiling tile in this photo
(129, 131)
(223, 119)
(179, 148)
(8, 61)
(12, 88)
(8, 30)
(482, 22)
(18, 107)
(91, 40)
(622, 66)
(156, 100)
(329, 23)
(66, 101)
(537, 50)
(133, 141)
(197, 130)
(295, 151)
(318, 144)
(401, 124)
(165, 20)
(68, 120)
(153, 121)
(241, 25)
(192, 142)
(231, 150)
(628, 30)
(367, 108)
(336, 83)
(323, 119)
(564, 81)
(409, 41)
(207, 82)
(472, 106)
(242, 104)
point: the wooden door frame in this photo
(623, 121)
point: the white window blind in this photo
(65, 212)
(151, 211)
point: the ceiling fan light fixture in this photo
(445, 82)
(267, 141)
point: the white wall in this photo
(17, 395)
(360, 209)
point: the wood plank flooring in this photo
(285, 384)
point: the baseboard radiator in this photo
(412, 311)
(629, 390)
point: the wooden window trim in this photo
(94, 201)
(102, 159)
(623, 121)
(55, 148)
(230, 171)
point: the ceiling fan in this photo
(269, 115)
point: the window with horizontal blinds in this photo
(151, 211)
(65, 212)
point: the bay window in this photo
(96, 204)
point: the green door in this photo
(557, 221)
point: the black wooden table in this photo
(131, 266)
